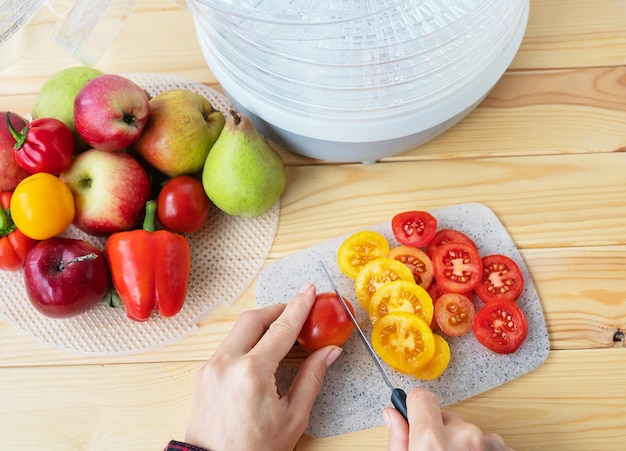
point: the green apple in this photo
(56, 97)
(182, 128)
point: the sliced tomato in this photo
(502, 279)
(418, 262)
(501, 326)
(454, 314)
(404, 341)
(458, 267)
(401, 296)
(435, 291)
(445, 236)
(377, 273)
(414, 228)
(327, 323)
(359, 249)
(438, 363)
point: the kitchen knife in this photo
(398, 396)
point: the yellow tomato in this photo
(401, 296)
(42, 206)
(377, 273)
(439, 362)
(359, 249)
(403, 340)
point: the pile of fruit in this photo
(139, 172)
(422, 290)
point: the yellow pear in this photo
(182, 128)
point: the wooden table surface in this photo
(545, 151)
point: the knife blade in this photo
(398, 396)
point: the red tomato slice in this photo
(418, 262)
(327, 323)
(445, 236)
(458, 267)
(454, 314)
(501, 326)
(502, 279)
(414, 228)
(435, 291)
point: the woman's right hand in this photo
(431, 429)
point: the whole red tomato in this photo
(327, 323)
(182, 205)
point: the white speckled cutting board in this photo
(354, 393)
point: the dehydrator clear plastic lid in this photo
(311, 76)
(303, 11)
(321, 12)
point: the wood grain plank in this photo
(584, 303)
(142, 406)
(577, 33)
(547, 201)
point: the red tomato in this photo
(445, 236)
(501, 326)
(327, 323)
(454, 314)
(458, 267)
(414, 228)
(182, 205)
(502, 279)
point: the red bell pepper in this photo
(14, 245)
(44, 145)
(150, 269)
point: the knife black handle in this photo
(398, 399)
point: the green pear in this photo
(243, 175)
(182, 128)
(56, 97)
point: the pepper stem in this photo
(6, 223)
(20, 137)
(148, 221)
(80, 258)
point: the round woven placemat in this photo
(226, 255)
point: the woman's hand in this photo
(236, 404)
(431, 429)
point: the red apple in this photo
(11, 173)
(65, 277)
(110, 191)
(110, 112)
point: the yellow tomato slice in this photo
(418, 262)
(439, 362)
(377, 273)
(359, 249)
(403, 340)
(401, 296)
